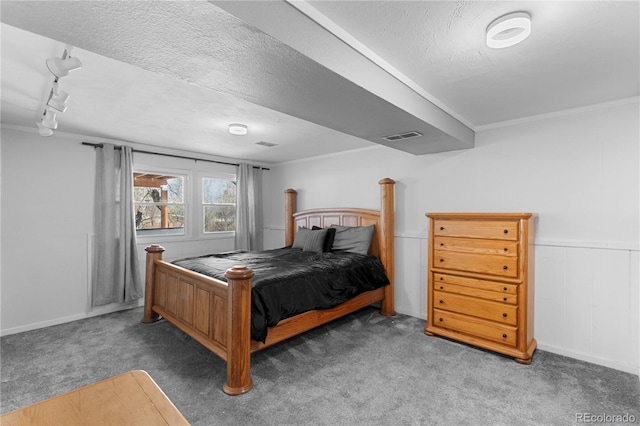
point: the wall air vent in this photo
(402, 136)
(267, 144)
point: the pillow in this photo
(356, 239)
(328, 240)
(309, 240)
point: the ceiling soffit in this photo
(201, 44)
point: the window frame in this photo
(202, 205)
(194, 220)
(155, 234)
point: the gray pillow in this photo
(356, 239)
(309, 240)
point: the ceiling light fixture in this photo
(508, 30)
(60, 67)
(44, 131)
(49, 119)
(238, 129)
(58, 98)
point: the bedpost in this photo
(386, 242)
(154, 252)
(239, 343)
(290, 209)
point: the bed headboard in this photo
(324, 218)
(383, 219)
(382, 242)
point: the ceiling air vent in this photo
(267, 144)
(402, 136)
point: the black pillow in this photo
(328, 240)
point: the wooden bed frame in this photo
(217, 314)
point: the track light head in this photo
(61, 67)
(44, 131)
(58, 99)
(49, 120)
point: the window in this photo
(218, 204)
(159, 203)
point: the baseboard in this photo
(420, 315)
(632, 369)
(102, 310)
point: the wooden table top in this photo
(131, 398)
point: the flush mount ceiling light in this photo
(238, 129)
(508, 30)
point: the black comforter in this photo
(289, 281)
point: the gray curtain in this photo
(116, 272)
(249, 234)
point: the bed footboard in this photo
(217, 314)
(214, 313)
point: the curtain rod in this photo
(99, 145)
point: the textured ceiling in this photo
(580, 52)
(174, 74)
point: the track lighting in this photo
(58, 98)
(49, 119)
(44, 131)
(61, 67)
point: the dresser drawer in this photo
(503, 288)
(467, 245)
(486, 309)
(503, 266)
(494, 296)
(491, 229)
(476, 327)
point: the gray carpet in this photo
(363, 369)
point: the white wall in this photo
(578, 171)
(47, 227)
(45, 224)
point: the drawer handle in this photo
(441, 301)
(441, 244)
(506, 249)
(504, 298)
(442, 228)
(442, 287)
(440, 319)
(443, 279)
(504, 315)
(505, 267)
(504, 288)
(504, 336)
(506, 231)
(441, 260)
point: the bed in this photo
(217, 313)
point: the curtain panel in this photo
(116, 270)
(249, 232)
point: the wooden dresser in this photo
(480, 281)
